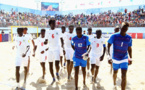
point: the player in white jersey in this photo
(68, 49)
(42, 52)
(61, 48)
(30, 39)
(22, 47)
(53, 36)
(116, 30)
(90, 35)
(97, 53)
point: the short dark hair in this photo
(89, 28)
(79, 28)
(19, 30)
(42, 30)
(99, 30)
(125, 24)
(71, 26)
(62, 27)
(25, 28)
(51, 20)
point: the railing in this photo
(82, 25)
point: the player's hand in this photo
(64, 52)
(110, 61)
(45, 42)
(46, 49)
(33, 55)
(130, 62)
(23, 55)
(101, 58)
(42, 52)
(13, 47)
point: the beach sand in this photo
(135, 75)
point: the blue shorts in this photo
(79, 62)
(123, 66)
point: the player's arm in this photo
(33, 43)
(34, 50)
(27, 49)
(88, 47)
(130, 54)
(46, 38)
(104, 50)
(110, 42)
(72, 44)
(130, 51)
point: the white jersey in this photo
(53, 37)
(21, 45)
(29, 37)
(90, 36)
(67, 39)
(97, 45)
(40, 44)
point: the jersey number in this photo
(52, 35)
(70, 38)
(20, 43)
(121, 44)
(42, 44)
(97, 44)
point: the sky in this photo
(73, 4)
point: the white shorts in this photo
(21, 60)
(61, 51)
(95, 59)
(53, 55)
(69, 54)
(42, 57)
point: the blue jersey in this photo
(80, 45)
(120, 46)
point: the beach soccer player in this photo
(81, 46)
(53, 38)
(97, 54)
(122, 46)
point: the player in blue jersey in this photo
(122, 46)
(81, 46)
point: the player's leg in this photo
(17, 76)
(61, 58)
(83, 64)
(123, 82)
(76, 63)
(84, 75)
(115, 71)
(96, 72)
(76, 77)
(88, 66)
(25, 73)
(71, 67)
(92, 71)
(114, 76)
(93, 64)
(124, 67)
(57, 68)
(43, 69)
(28, 63)
(50, 60)
(68, 68)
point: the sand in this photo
(135, 75)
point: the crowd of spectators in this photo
(135, 18)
